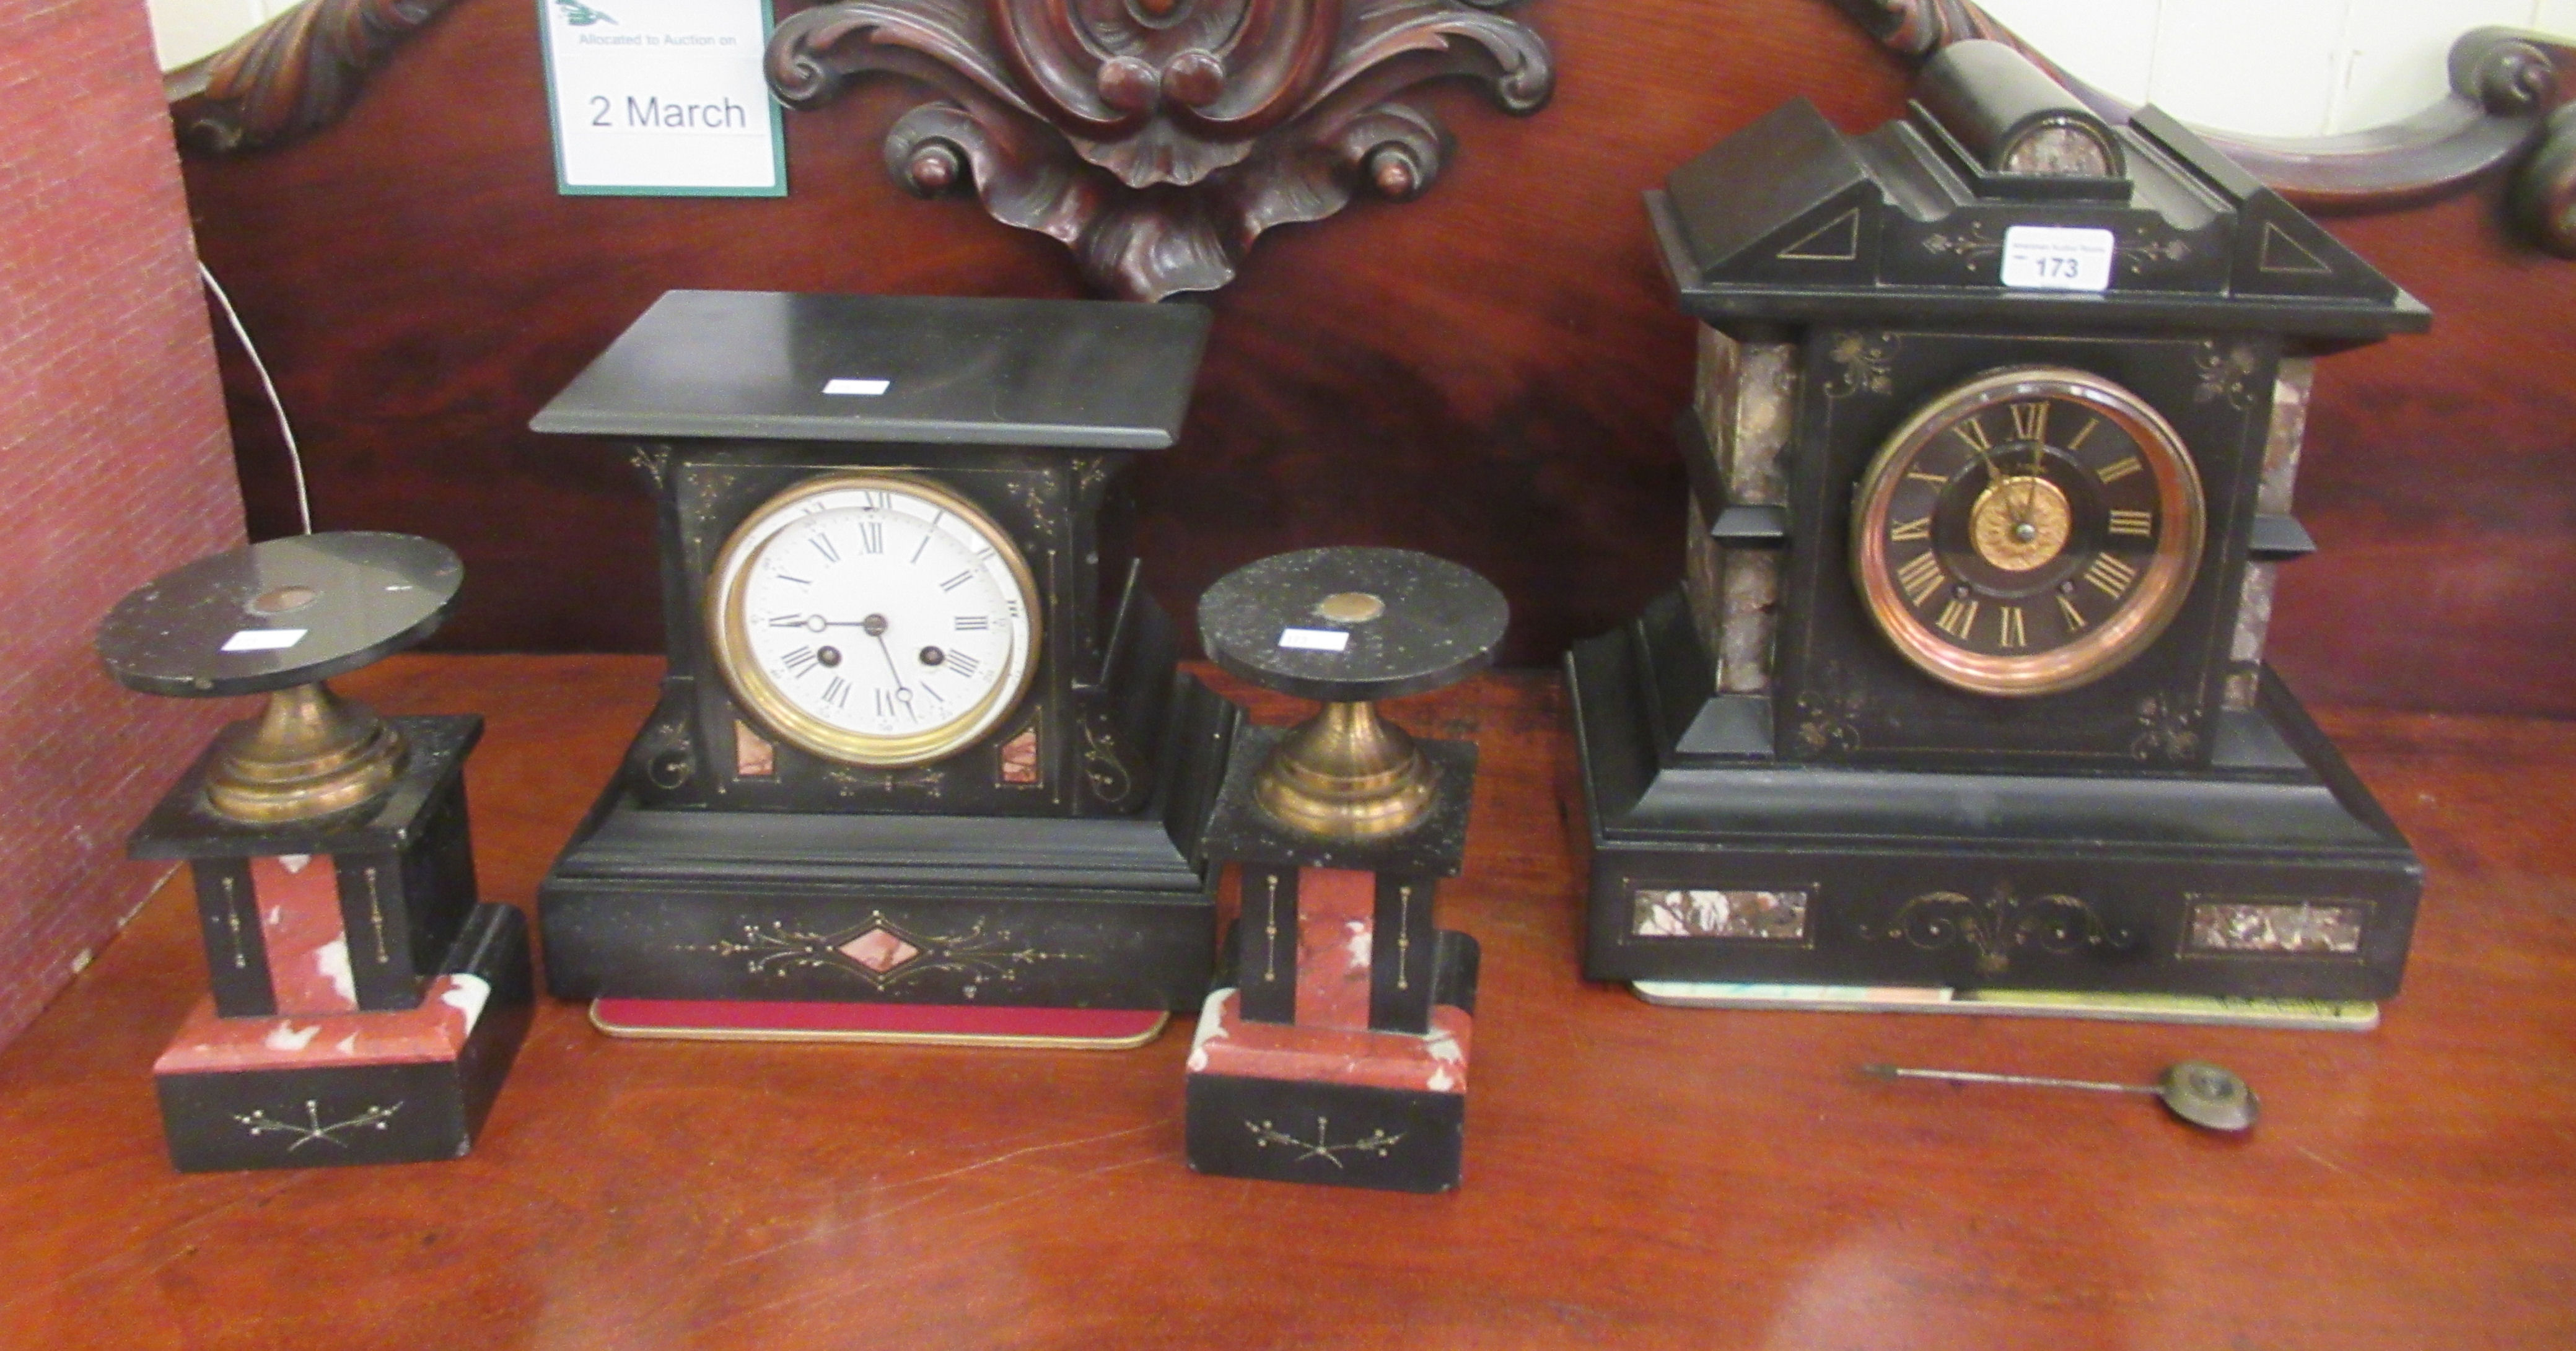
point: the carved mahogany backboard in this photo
(1490, 373)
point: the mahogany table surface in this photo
(1635, 1176)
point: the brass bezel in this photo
(729, 637)
(2161, 589)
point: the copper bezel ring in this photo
(2162, 586)
(730, 638)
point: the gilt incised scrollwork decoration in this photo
(1159, 138)
(2501, 115)
(2001, 926)
(291, 76)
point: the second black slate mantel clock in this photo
(921, 740)
(1999, 408)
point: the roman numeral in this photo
(837, 694)
(957, 581)
(2118, 469)
(1974, 433)
(2009, 631)
(962, 664)
(823, 546)
(790, 577)
(787, 621)
(2030, 420)
(973, 623)
(871, 499)
(1902, 531)
(1921, 577)
(2139, 523)
(871, 537)
(2087, 430)
(2111, 575)
(1957, 618)
(885, 703)
(2066, 610)
(799, 661)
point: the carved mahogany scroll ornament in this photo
(291, 76)
(2501, 115)
(1158, 138)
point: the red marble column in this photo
(306, 938)
(1336, 928)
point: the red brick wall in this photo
(114, 466)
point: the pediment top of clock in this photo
(919, 370)
(1792, 220)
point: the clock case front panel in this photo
(1066, 876)
(1775, 795)
(1094, 714)
(1841, 691)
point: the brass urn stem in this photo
(1346, 773)
(310, 753)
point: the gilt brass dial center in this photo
(2020, 522)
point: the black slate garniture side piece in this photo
(1991, 461)
(364, 1007)
(1336, 1049)
(763, 839)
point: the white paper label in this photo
(863, 388)
(654, 97)
(263, 640)
(2055, 258)
(1315, 640)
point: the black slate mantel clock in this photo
(1998, 412)
(921, 740)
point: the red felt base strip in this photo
(918, 1024)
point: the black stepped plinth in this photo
(376, 1087)
(1818, 874)
(1059, 912)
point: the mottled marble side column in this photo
(1746, 397)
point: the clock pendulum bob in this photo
(1336, 1048)
(364, 1007)
(1999, 408)
(924, 767)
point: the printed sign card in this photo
(662, 98)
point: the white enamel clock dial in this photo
(873, 619)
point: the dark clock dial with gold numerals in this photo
(2026, 532)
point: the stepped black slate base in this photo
(1065, 912)
(2273, 874)
(403, 1086)
(1341, 1107)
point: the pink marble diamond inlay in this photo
(879, 950)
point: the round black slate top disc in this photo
(286, 612)
(1352, 624)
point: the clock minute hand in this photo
(2031, 481)
(891, 668)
